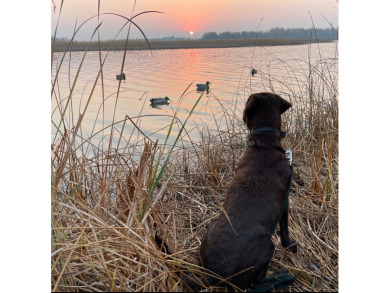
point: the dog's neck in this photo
(255, 143)
(282, 134)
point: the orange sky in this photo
(180, 17)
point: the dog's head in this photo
(264, 109)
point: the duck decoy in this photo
(159, 101)
(118, 77)
(203, 86)
(254, 71)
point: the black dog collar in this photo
(281, 133)
(254, 143)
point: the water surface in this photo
(161, 73)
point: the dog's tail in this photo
(192, 280)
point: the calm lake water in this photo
(168, 73)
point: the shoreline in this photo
(119, 45)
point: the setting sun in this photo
(191, 33)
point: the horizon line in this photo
(200, 36)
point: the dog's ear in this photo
(247, 112)
(284, 106)
(250, 107)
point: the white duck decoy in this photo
(118, 77)
(203, 86)
(159, 101)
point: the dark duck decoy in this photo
(203, 86)
(159, 101)
(118, 77)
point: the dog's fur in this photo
(253, 202)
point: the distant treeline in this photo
(273, 37)
(276, 33)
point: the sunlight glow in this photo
(179, 17)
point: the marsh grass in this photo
(108, 207)
(62, 45)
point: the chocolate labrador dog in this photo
(239, 247)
